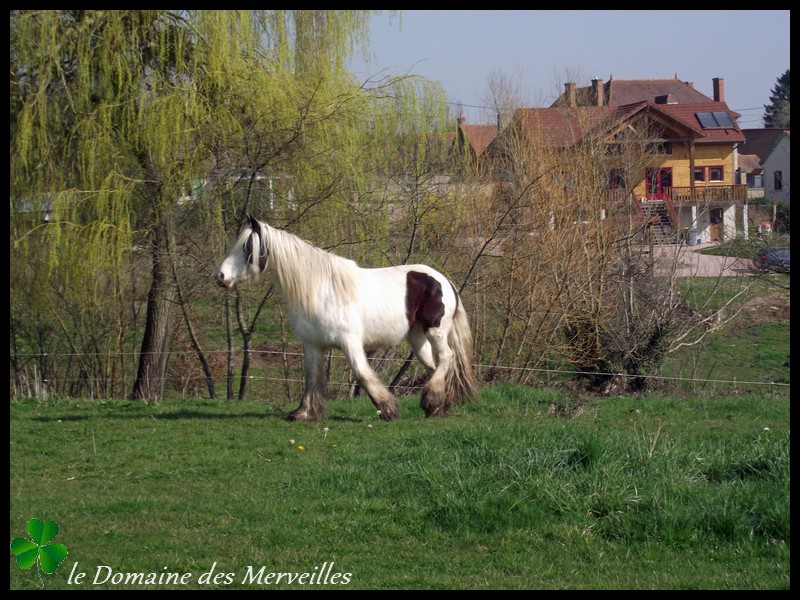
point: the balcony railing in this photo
(706, 193)
(613, 196)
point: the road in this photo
(688, 261)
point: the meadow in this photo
(525, 488)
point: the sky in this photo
(542, 50)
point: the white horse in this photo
(334, 303)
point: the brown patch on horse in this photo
(423, 300)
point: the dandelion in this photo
(300, 448)
(291, 442)
(766, 428)
(379, 413)
(370, 426)
(325, 432)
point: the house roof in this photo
(626, 91)
(750, 163)
(563, 127)
(760, 142)
(619, 92)
(686, 113)
(560, 127)
(673, 97)
(479, 136)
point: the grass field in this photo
(523, 488)
(748, 353)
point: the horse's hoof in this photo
(437, 412)
(389, 411)
(302, 416)
(434, 404)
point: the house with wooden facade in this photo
(688, 188)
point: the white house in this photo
(776, 170)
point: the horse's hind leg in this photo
(380, 395)
(312, 406)
(434, 400)
(422, 348)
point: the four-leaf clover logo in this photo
(38, 548)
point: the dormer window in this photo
(666, 99)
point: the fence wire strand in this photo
(397, 360)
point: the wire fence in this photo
(277, 375)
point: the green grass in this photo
(508, 493)
(752, 347)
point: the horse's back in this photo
(398, 283)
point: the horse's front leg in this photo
(312, 406)
(380, 395)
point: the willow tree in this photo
(115, 114)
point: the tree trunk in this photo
(190, 329)
(246, 335)
(149, 384)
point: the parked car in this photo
(776, 258)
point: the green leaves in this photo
(38, 547)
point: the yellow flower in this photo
(300, 448)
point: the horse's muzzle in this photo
(222, 282)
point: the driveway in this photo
(688, 261)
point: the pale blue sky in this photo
(460, 48)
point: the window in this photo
(755, 181)
(778, 180)
(712, 120)
(715, 173)
(616, 179)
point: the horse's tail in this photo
(460, 382)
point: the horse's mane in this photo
(302, 269)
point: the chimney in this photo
(690, 84)
(598, 91)
(461, 120)
(569, 92)
(719, 89)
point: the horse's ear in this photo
(253, 222)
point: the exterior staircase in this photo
(660, 224)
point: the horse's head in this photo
(247, 256)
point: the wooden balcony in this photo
(706, 193)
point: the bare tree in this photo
(567, 285)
